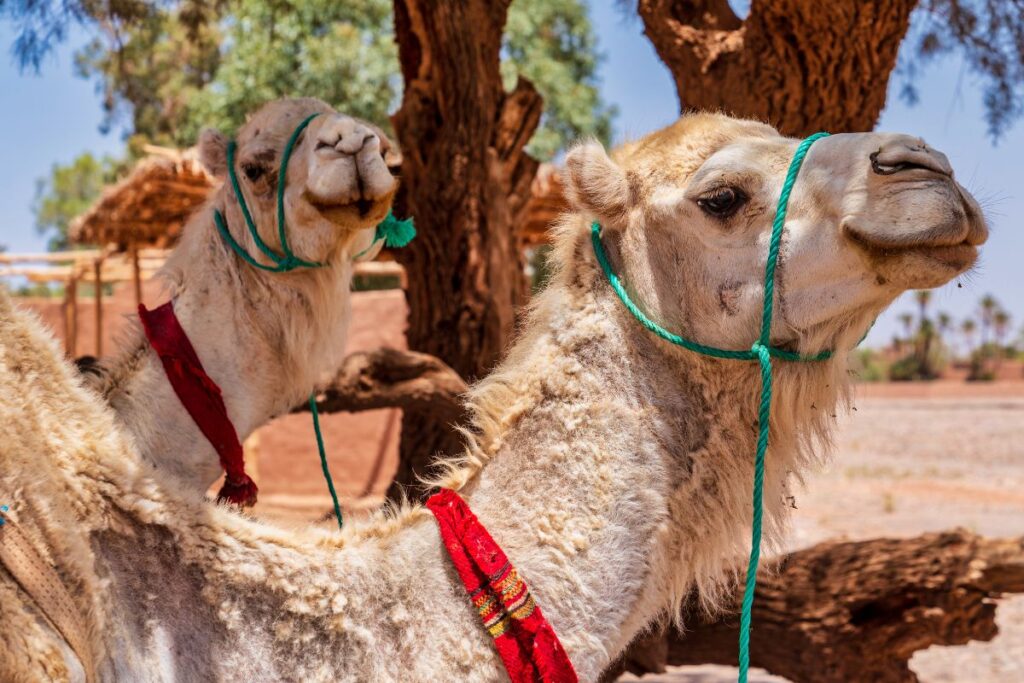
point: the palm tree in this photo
(907, 320)
(1001, 323)
(923, 298)
(967, 328)
(989, 305)
(944, 325)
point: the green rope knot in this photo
(762, 351)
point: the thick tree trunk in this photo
(856, 611)
(465, 178)
(801, 65)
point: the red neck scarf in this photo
(201, 397)
(525, 640)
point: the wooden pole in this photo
(71, 316)
(136, 275)
(97, 284)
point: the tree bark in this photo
(801, 65)
(855, 611)
(465, 179)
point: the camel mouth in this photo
(362, 209)
(957, 255)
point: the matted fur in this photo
(613, 468)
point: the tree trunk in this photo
(801, 65)
(855, 611)
(465, 178)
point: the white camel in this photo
(613, 468)
(263, 337)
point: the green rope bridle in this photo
(762, 351)
(394, 233)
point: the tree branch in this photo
(391, 378)
(801, 65)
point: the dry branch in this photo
(857, 611)
(390, 378)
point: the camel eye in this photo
(253, 171)
(722, 203)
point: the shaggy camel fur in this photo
(614, 469)
(265, 338)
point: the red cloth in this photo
(525, 640)
(201, 397)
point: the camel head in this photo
(338, 186)
(687, 214)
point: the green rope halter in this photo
(394, 232)
(762, 351)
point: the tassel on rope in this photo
(239, 491)
(395, 233)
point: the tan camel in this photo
(264, 338)
(613, 468)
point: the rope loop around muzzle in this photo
(762, 351)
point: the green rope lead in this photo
(762, 351)
(323, 460)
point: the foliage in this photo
(68, 192)
(552, 44)
(990, 36)
(166, 69)
(174, 72)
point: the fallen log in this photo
(854, 611)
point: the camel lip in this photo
(958, 255)
(361, 208)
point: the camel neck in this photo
(600, 434)
(264, 338)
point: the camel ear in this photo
(596, 184)
(213, 152)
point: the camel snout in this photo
(345, 135)
(905, 153)
(348, 165)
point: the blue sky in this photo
(53, 117)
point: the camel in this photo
(263, 337)
(613, 468)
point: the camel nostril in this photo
(897, 157)
(367, 139)
(327, 142)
